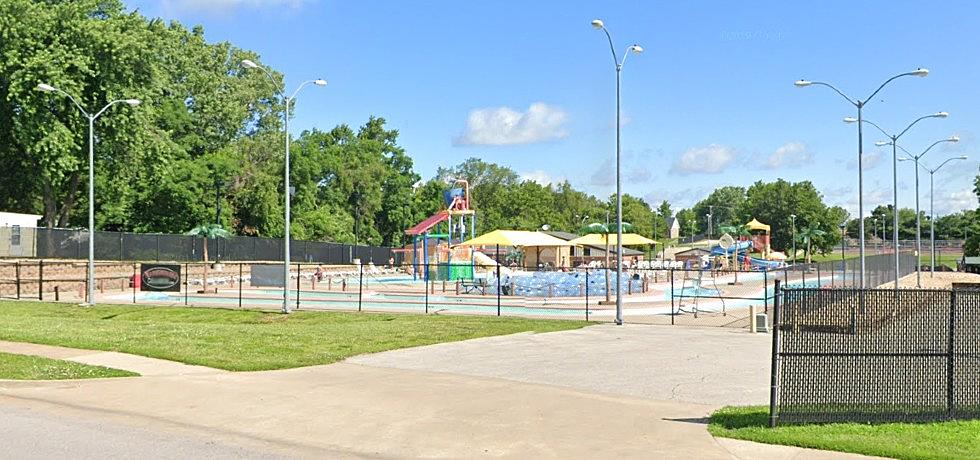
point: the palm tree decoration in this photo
(806, 236)
(208, 231)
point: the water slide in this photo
(742, 248)
(482, 260)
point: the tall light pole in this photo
(859, 104)
(874, 231)
(918, 218)
(710, 232)
(932, 215)
(280, 88)
(894, 143)
(792, 218)
(597, 23)
(91, 175)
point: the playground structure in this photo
(434, 238)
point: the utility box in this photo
(761, 322)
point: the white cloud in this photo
(506, 126)
(711, 159)
(541, 177)
(228, 5)
(871, 161)
(953, 202)
(790, 154)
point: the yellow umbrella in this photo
(601, 239)
(518, 238)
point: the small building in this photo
(17, 234)
(673, 228)
(693, 257)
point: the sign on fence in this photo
(156, 277)
(267, 276)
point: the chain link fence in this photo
(120, 246)
(875, 355)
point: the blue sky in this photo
(710, 102)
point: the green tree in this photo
(772, 203)
(723, 204)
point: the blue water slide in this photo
(740, 246)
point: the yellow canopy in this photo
(519, 238)
(600, 239)
(756, 225)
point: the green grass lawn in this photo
(245, 340)
(24, 367)
(946, 440)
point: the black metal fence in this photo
(706, 297)
(875, 355)
(120, 246)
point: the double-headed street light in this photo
(859, 104)
(280, 88)
(637, 49)
(932, 215)
(91, 175)
(918, 219)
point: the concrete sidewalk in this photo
(123, 361)
(367, 411)
(558, 405)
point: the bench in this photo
(474, 285)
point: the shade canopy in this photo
(756, 225)
(518, 238)
(601, 239)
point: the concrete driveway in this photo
(705, 366)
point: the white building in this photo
(17, 234)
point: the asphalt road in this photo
(29, 433)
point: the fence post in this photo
(17, 276)
(241, 281)
(774, 366)
(299, 270)
(498, 290)
(187, 286)
(40, 280)
(360, 285)
(765, 290)
(426, 280)
(950, 407)
(586, 294)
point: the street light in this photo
(636, 49)
(918, 218)
(91, 175)
(859, 104)
(932, 215)
(792, 218)
(894, 143)
(280, 88)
